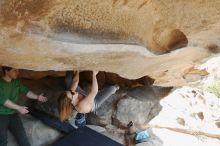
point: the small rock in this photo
(218, 124)
(181, 121)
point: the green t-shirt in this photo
(10, 90)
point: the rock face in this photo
(191, 108)
(140, 105)
(112, 35)
(133, 110)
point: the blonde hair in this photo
(65, 107)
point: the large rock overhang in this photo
(130, 38)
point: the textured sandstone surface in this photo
(120, 36)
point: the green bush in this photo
(215, 89)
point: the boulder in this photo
(38, 133)
(119, 36)
(131, 109)
(140, 106)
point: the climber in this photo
(10, 88)
(75, 103)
